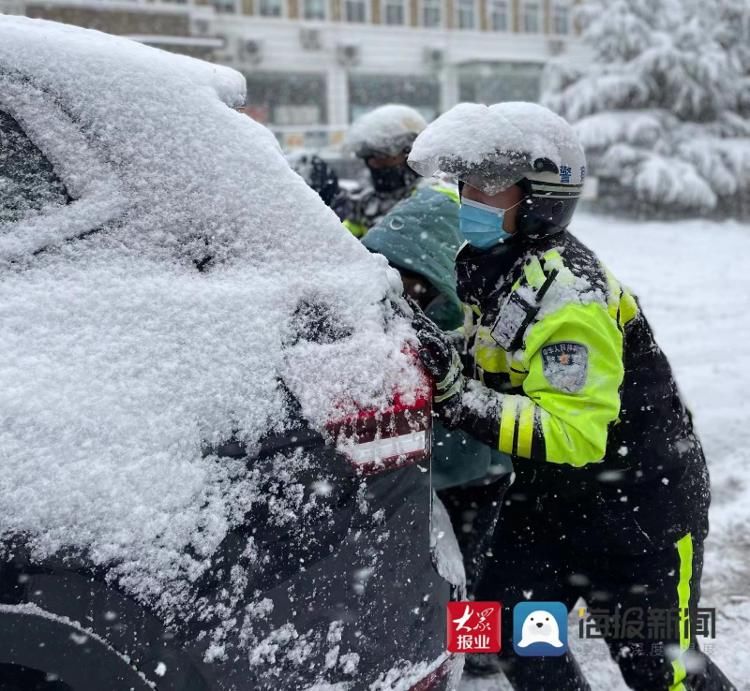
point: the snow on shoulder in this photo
(473, 133)
(166, 314)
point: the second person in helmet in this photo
(382, 138)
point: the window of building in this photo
(466, 14)
(355, 11)
(367, 91)
(225, 6)
(495, 82)
(393, 12)
(498, 15)
(286, 99)
(269, 8)
(315, 9)
(432, 13)
(531, 19)
(561, 18)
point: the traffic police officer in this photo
(382, 138)
(558, 367)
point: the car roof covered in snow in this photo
(120, 358)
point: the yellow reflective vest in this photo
(548, 326)
(566, 363)
(569, 380)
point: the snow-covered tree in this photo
(733, 34)
(663, 107)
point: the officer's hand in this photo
(323, 180)
(421, 322)
(445, 367)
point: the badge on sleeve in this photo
(565, 365)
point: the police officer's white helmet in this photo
(495, 147)
(386, 131)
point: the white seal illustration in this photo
(540, 627)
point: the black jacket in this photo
(575, 387)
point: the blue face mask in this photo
(481, 225)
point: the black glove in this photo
(442, 361)
(444, 365)
(421, 322)
(323, 180)
(471, 407)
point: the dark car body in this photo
(62, 618)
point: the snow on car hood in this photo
(120, 359)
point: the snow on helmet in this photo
(386, 131)
(495, 147)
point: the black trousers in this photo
(536, 553)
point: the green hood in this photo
(420, 234)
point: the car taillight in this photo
(379, 440)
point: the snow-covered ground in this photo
(693, 279)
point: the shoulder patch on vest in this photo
(565, 365)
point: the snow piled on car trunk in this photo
(122, 362)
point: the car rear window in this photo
(28, 183)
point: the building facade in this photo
(314, 65)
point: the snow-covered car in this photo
(214, 437)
